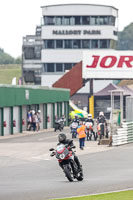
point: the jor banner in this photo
(107, 64)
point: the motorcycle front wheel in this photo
(68, 173)
(80, 177)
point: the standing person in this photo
(39, 119)
(29, 120)
(81, 134)
(35, 121)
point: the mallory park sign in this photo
(76, 32)
(109, 64)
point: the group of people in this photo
(85, 128)
(33, 120)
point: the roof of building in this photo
(107, 90)
(79, 4)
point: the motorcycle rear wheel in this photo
(68, 173)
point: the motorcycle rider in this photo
(75, 120)
(101, 119)
(63, 140)
(89, 119)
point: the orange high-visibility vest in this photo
(81, 131)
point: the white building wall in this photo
(16, 117)
(64, 55)
(49, 114)
(106, 32)
(48, 80)
(7, 118)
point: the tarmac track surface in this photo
(27, 172)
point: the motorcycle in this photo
(65, 156)
(89, 130)
(74, 127)
(100, 130)
(59, 125)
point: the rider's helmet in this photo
(39, 111)
(61, 137)
(89, 116)
(101, 114)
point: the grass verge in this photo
(8, 72)
(125, 195)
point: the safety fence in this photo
(124, 135)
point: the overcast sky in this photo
(20, 17)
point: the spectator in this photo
(35, 121)
(29, 120)
(82, 135)
(39, 119)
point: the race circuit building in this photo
(65, 32)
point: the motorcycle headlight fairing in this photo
(62, 156)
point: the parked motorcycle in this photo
(89, 131)
(65, 156)
(74, 127)
(59, 125)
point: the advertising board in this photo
(107, 64)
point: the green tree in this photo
(18, 60)
(125, 38)
(6, 58)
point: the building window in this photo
(86, 20)
(76, 44)
(115, 32)
(77, 20)
(66, 20)
(59, 67)
(50, 67)
(58, 20)
(50, 44)
(94, 20)
(45, 67)
(38, 52)
(103, 20)
(68, 66)
(86, 44)
(59, 44)
(29, 52)
(72, 21)
(112, 20)
(68, 44)
(49, 20)
(94, 44)
(103, 44)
